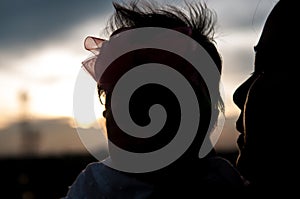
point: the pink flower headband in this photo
(93, 45)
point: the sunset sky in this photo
(41, 49)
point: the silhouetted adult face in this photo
(265, 98)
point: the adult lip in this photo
(240, 127)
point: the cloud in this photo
(33, 29)
(28, 25)
(32, 21)
(241, 14)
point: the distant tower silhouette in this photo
(23, 97)
(30, 136)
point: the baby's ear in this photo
(93, 44)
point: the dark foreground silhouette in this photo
(46, 177)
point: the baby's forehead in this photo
(119, 30)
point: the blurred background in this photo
(41, 50)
